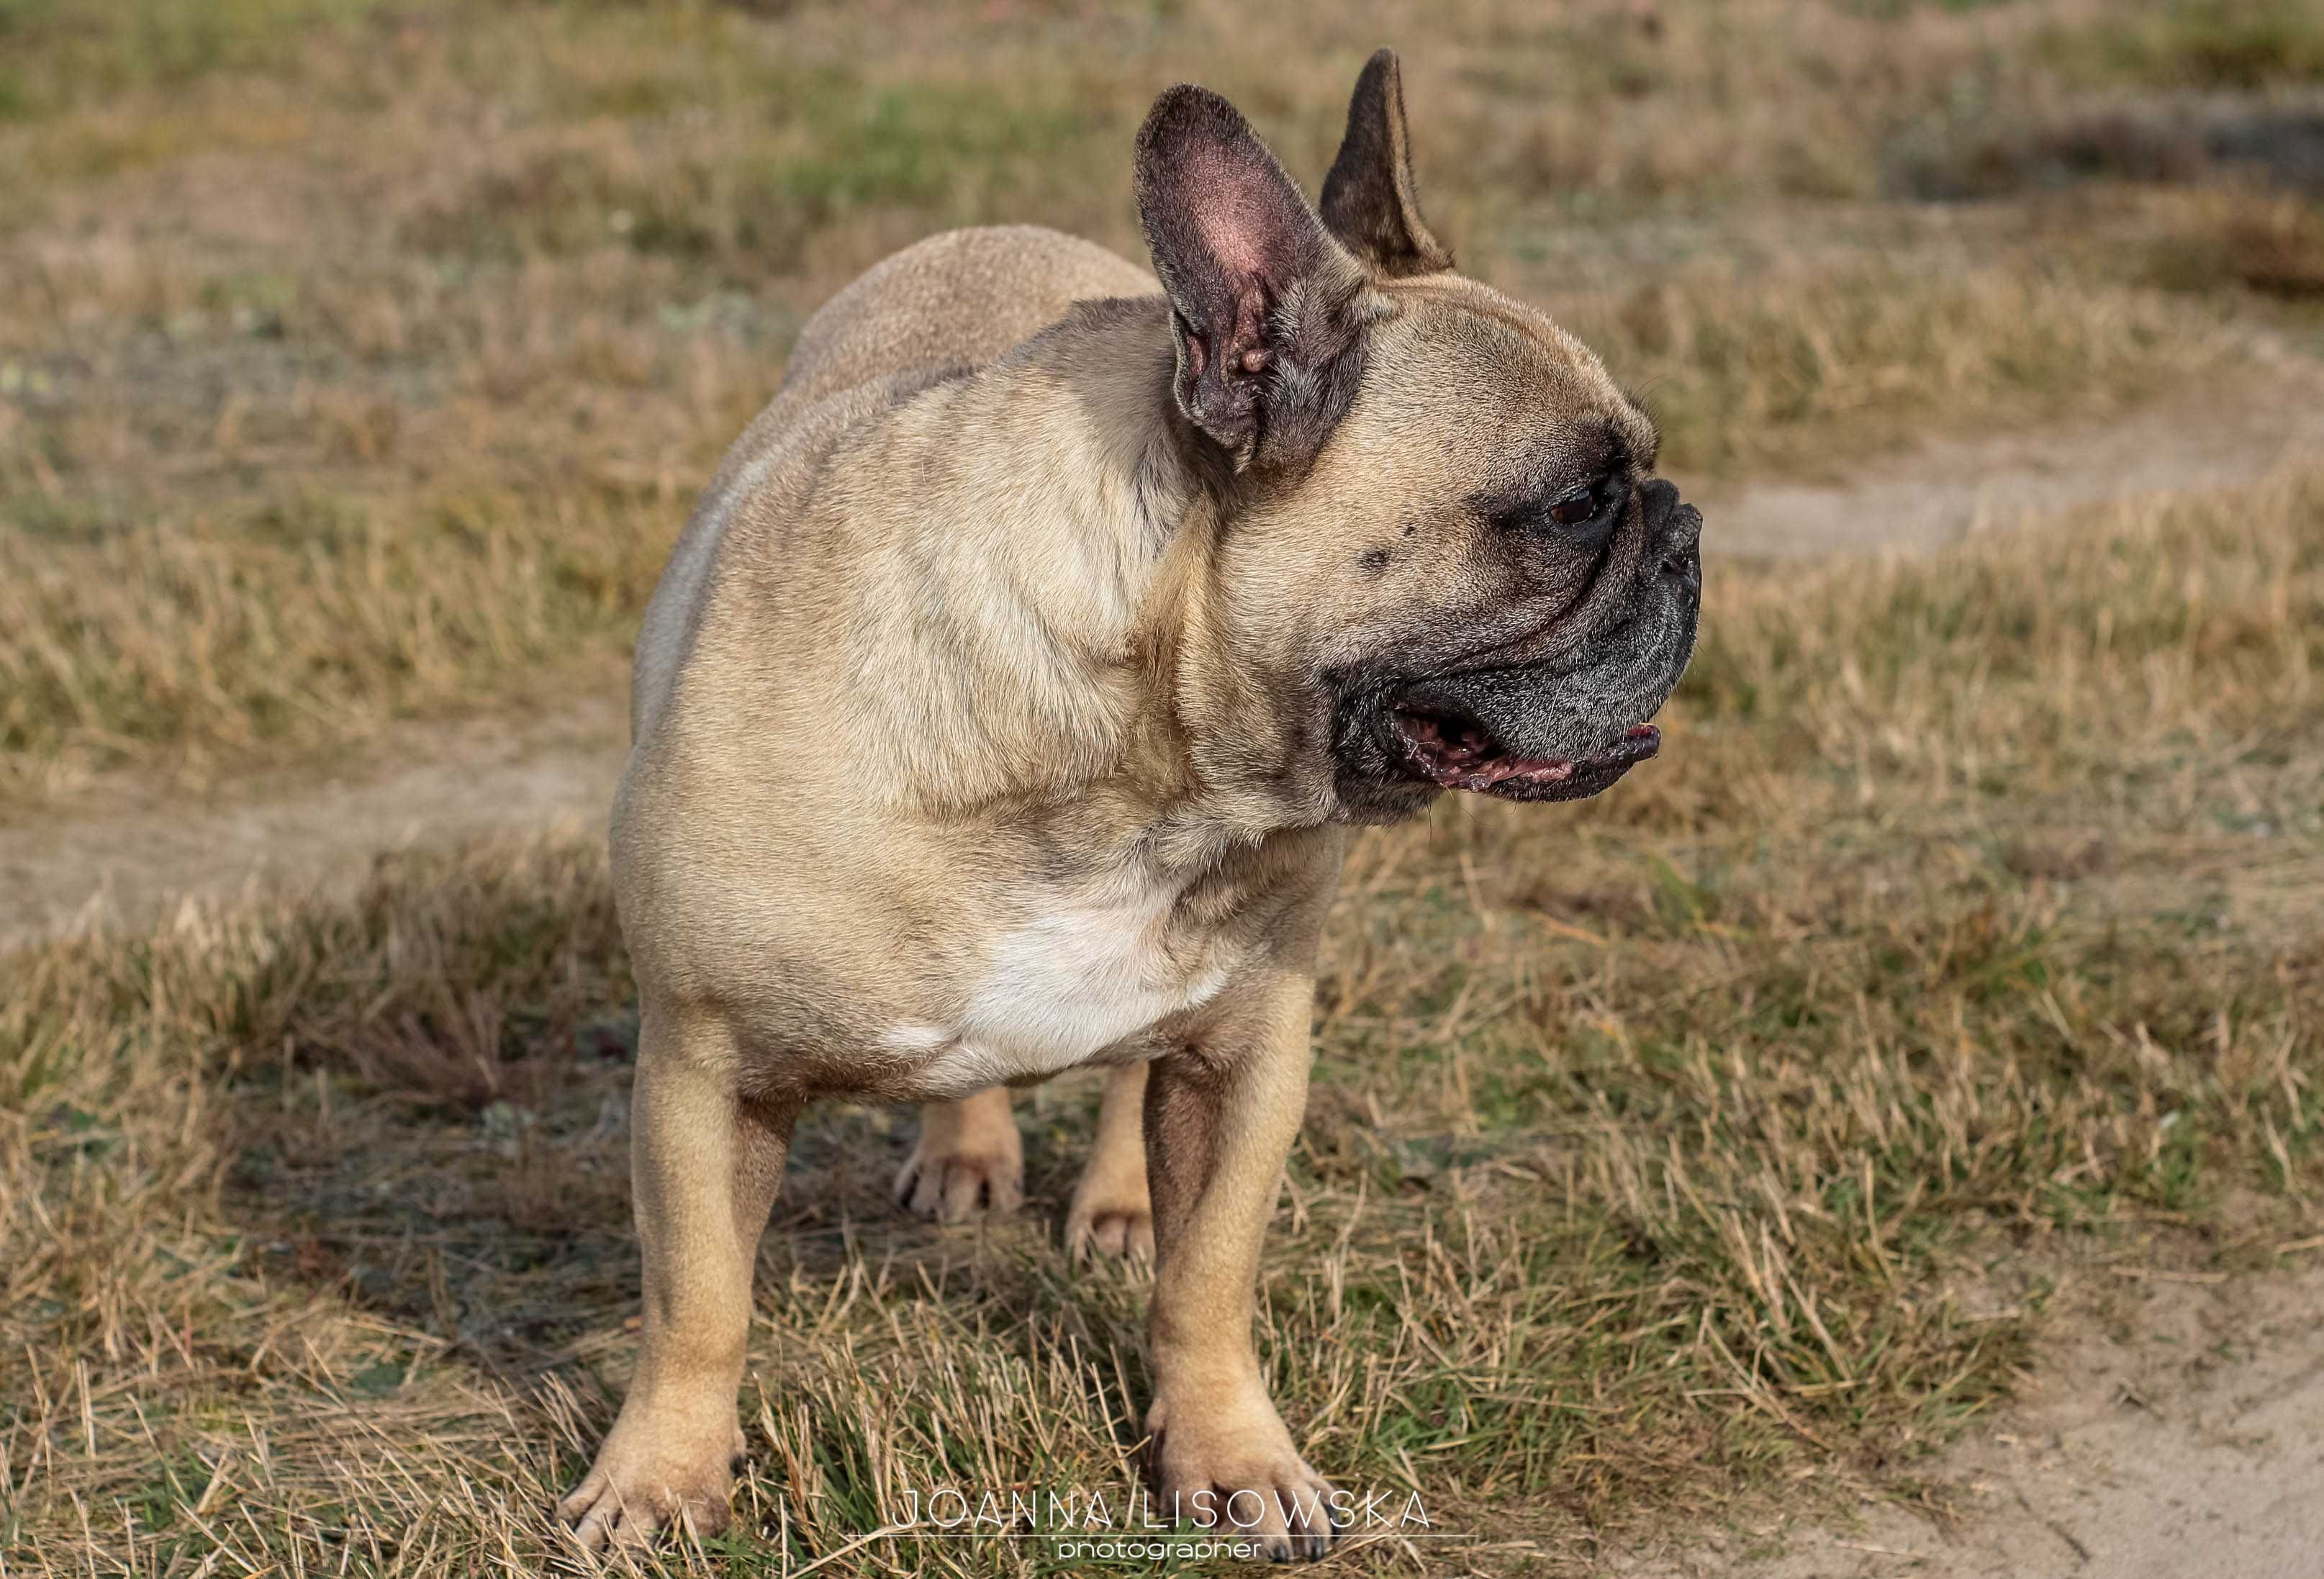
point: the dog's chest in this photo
(1076, 971)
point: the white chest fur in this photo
(1080, 972)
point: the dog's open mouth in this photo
(1459, 753)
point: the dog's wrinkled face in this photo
(1449, 556)
(1496, 592)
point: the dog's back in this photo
(958, 300)
(964, 297)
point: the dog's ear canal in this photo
(1265, 304)
(1368, 201)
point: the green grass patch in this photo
(57, 55)
(2210, 44)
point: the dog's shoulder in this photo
(931, 315)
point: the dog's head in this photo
(1443, 550)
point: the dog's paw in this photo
(1230, 1468)
(953, 1178)
(1112, 1215)
(649, 1480)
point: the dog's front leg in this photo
(705, 1164)
(1220, 1120)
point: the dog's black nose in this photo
(1678, 532)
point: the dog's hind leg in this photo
(1111, 1208)
(705, 1164)
(968, 1161)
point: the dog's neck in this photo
(1081, 650)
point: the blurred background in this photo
(1930, 1039)
(357, 359)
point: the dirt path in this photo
(130, 861)
(1950, 488)
(2192, 1450)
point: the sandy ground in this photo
(2193, 1449)
(1948, 489)
(131, 860)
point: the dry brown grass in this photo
(360, 360)
(2266, 242)
(1737, 1130)
(1735, 1133)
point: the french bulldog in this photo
(1007, 699)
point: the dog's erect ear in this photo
(1367, 199)
(1264, 301)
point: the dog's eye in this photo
(1576, 507)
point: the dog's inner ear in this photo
(1264, 301)
(1368, 201)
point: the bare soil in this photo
(1951, 487)
(130, 856)
(2188, 1446)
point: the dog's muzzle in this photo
(1560, 729)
